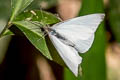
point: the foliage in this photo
(114, 18)
(27, 16)
(30, 23)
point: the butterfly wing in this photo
(91, 21)
(80, 30)
(68, 54)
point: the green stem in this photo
(5, 28)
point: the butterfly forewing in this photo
(80, 31)
(91, 21)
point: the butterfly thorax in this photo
(60, 37)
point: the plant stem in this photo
(5, 28)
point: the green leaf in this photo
(55, 55)
(68, 75)
(18, 6)
(5, 10)
(93, 66)
(114, 18)
(38, 15)
(34, 35)
(44, 18)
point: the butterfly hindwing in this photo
(67, 53)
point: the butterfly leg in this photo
(44, 34)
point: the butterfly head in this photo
(50, 30)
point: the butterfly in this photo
(74, 36)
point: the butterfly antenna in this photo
(36, 23)
(58, 16)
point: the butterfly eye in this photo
(53, 33)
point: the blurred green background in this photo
(20, 60)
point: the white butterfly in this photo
(73, 36)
